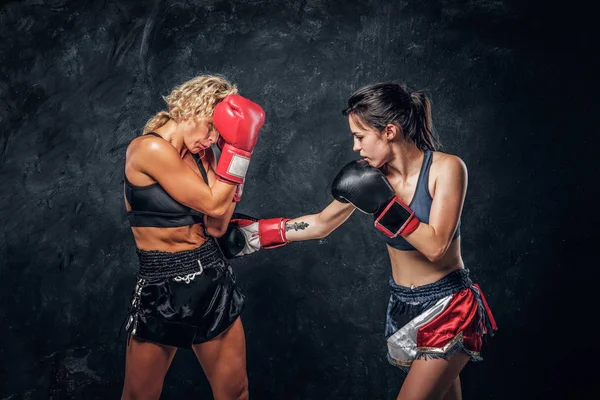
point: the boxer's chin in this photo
(372, 163)
(197, 149)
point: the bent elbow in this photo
(216, 232)
(217, 212)
(322, 234)
(434, 258)
(436, 255)
(323, 231)
(220, 212)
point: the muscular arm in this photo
(216, 226)
(157, 159)
(246, 234)
(316, 226)
(433, 239)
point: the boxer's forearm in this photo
(217, 226)
(304, 228)
(317, 226)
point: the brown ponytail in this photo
(381, 104)
(423, 132)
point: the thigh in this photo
(223, 360)
(146, 365)
(432, 378)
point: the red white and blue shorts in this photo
(437, 320)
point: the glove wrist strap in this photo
(233, 164)
(272, 232)
(396, 219)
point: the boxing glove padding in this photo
(368, 189)
(362, 185)
(233, 242)
(238, 121)
(246, 235)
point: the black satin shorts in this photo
(184, 298)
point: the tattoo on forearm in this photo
(296, 226)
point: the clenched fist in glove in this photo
(238, 121)
(246, 234)
(368, 189)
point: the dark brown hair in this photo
(380, 104)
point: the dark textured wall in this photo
(513, 95)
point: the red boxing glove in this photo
(238, 121)
(246, 235)
(237, 196)
(272, 232)
(240, 187)
(220, 143)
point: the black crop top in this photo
(152, 206)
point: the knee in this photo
(237, 391)
(243, 394)
(141, 392)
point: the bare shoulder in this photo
(444, 164)
(448, 172)
(149, 146)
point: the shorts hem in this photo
(429, 355)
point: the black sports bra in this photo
(152, 206)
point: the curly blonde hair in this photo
(195, 98)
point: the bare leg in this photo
(146, 365)
(454, 393)
(224, 362)
(433, 378)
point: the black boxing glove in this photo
(368, 189)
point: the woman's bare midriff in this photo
(174, 239)
(413, 268)
(169, 239)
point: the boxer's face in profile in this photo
(199, 134)
(372, 146)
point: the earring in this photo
(203, 153)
